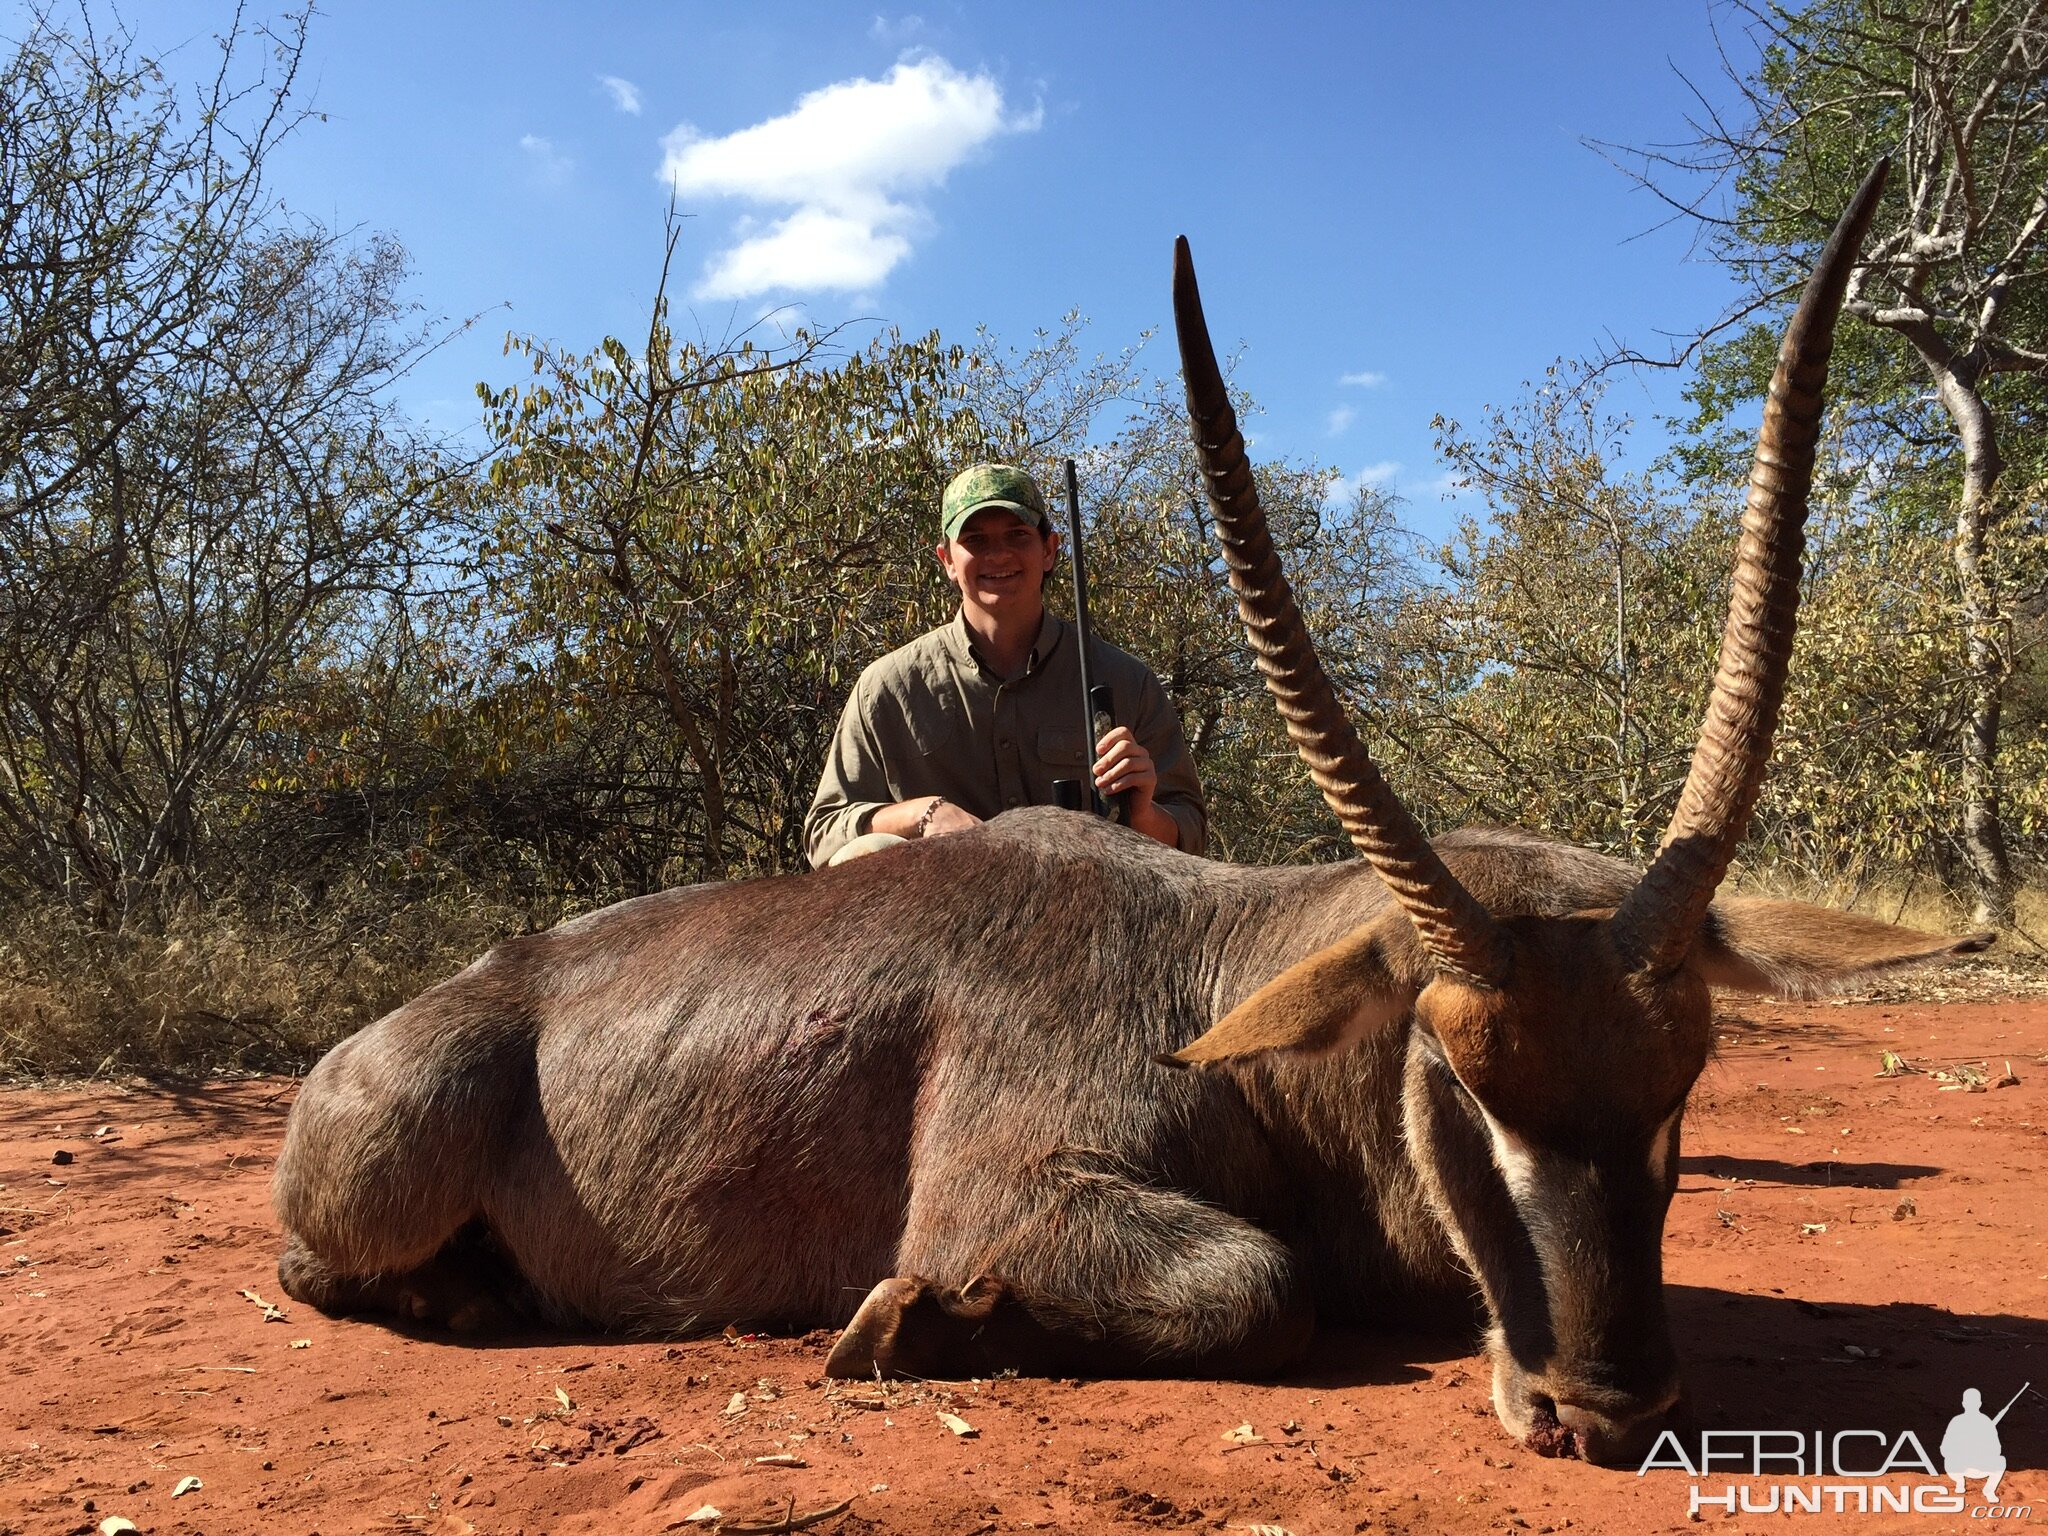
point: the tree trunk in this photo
(1983, 829)
(710, 765)
(708, 758)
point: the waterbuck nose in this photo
(1617, 1433)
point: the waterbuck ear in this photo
(1324, 1004)
(1791, 949)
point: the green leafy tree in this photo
(1871, 768)
(1942, 365)
(1575, 626)
(1558, 666)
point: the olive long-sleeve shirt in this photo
(930, 719)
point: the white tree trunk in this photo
(1983, 828)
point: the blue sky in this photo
(1391, 207)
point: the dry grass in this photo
(229, 985)
(2007, 970)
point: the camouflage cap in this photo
(990, 485)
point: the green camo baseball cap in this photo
(990, 485)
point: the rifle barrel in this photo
(1089, 797)
(2008, 1407)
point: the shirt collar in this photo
(1051, 630)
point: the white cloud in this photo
(1365, 378)
(897, 32)
(811, 249)
(1380, 477)
(625, 94)
(1341, 418)
(849, 160)
(549, 163)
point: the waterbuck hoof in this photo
(868, 1343)
(908, 1326)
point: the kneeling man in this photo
(983, 713)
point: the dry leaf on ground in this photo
(790, 1521)
(272, 1313)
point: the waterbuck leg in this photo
(1079, 1272)
(387, 1158)
(911, 1327)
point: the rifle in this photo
(1098, 703)
(2008, 1407)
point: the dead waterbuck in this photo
(920, 1094)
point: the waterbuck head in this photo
(1550, 1056)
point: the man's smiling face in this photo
(999, 562)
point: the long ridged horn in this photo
(1655, 925)
(1456, 930)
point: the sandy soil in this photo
(1845, 1251)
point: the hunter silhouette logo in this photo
(1970, 1448)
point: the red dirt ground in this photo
(1845, 1251)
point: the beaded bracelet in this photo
(924, 822)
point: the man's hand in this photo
(1122, 765)
(949, 818)
(906, 817)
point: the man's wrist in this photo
(1159, 825)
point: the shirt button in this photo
(1010, 801)
(1003, 741)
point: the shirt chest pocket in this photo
(1061, 749)
(937, 726)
